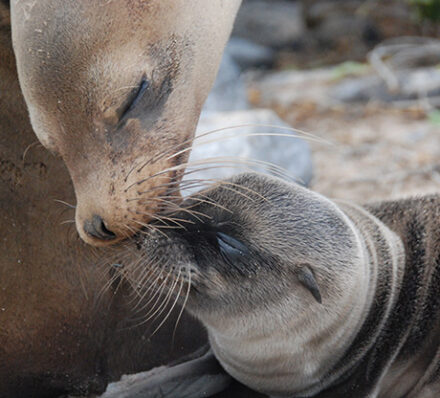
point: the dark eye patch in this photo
(138, 95)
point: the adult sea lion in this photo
(115, 87)
(63, 322)
(305, 297)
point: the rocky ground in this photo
(373, 126)
(368, 150)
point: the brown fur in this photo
(81, 63)
(58, 333)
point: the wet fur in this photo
(376, 332)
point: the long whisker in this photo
(172, 220)
(197, 198)
(222, 163)
(65, 203)
(67, 222)
(145, 279)
(228, 184)
(162, 219)
(158, 311)
(157, 293)
(152, 285)
(164, 305)
(148, 226)
(224, 138)
(183, 306)
(188, 210)
(35, 143)
(203, 135)
(214, 163)
(171, 309)
(146, 271)
(217, 162)
(113, 278)
(160, 155)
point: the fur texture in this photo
(81, 69)
(304, 297)
(63, 323)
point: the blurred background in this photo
(359, 79)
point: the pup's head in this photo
(254, 242)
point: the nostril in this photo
(97, 229)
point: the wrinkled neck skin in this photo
(285, 352)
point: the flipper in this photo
(201, 376)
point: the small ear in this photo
(307, 279)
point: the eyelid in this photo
(230, 248)
(143, 87)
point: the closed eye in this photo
(231, 249)
(142, 88)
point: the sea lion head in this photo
(281, 277)
(115, 88)
(253, 242)
(270, 268)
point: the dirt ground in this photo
(363, 152)
(367, 152)
(374, 153)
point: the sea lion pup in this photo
(305, 297)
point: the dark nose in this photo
(97, 229)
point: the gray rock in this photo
(318, 11)
(412, 85)
(229, 90)
(248, 54)
(292, 87)
(275, 23)
(361, 90)
(420, 82)
(245, 140)
(327, 87)
(228, 149)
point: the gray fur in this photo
(320, 299)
